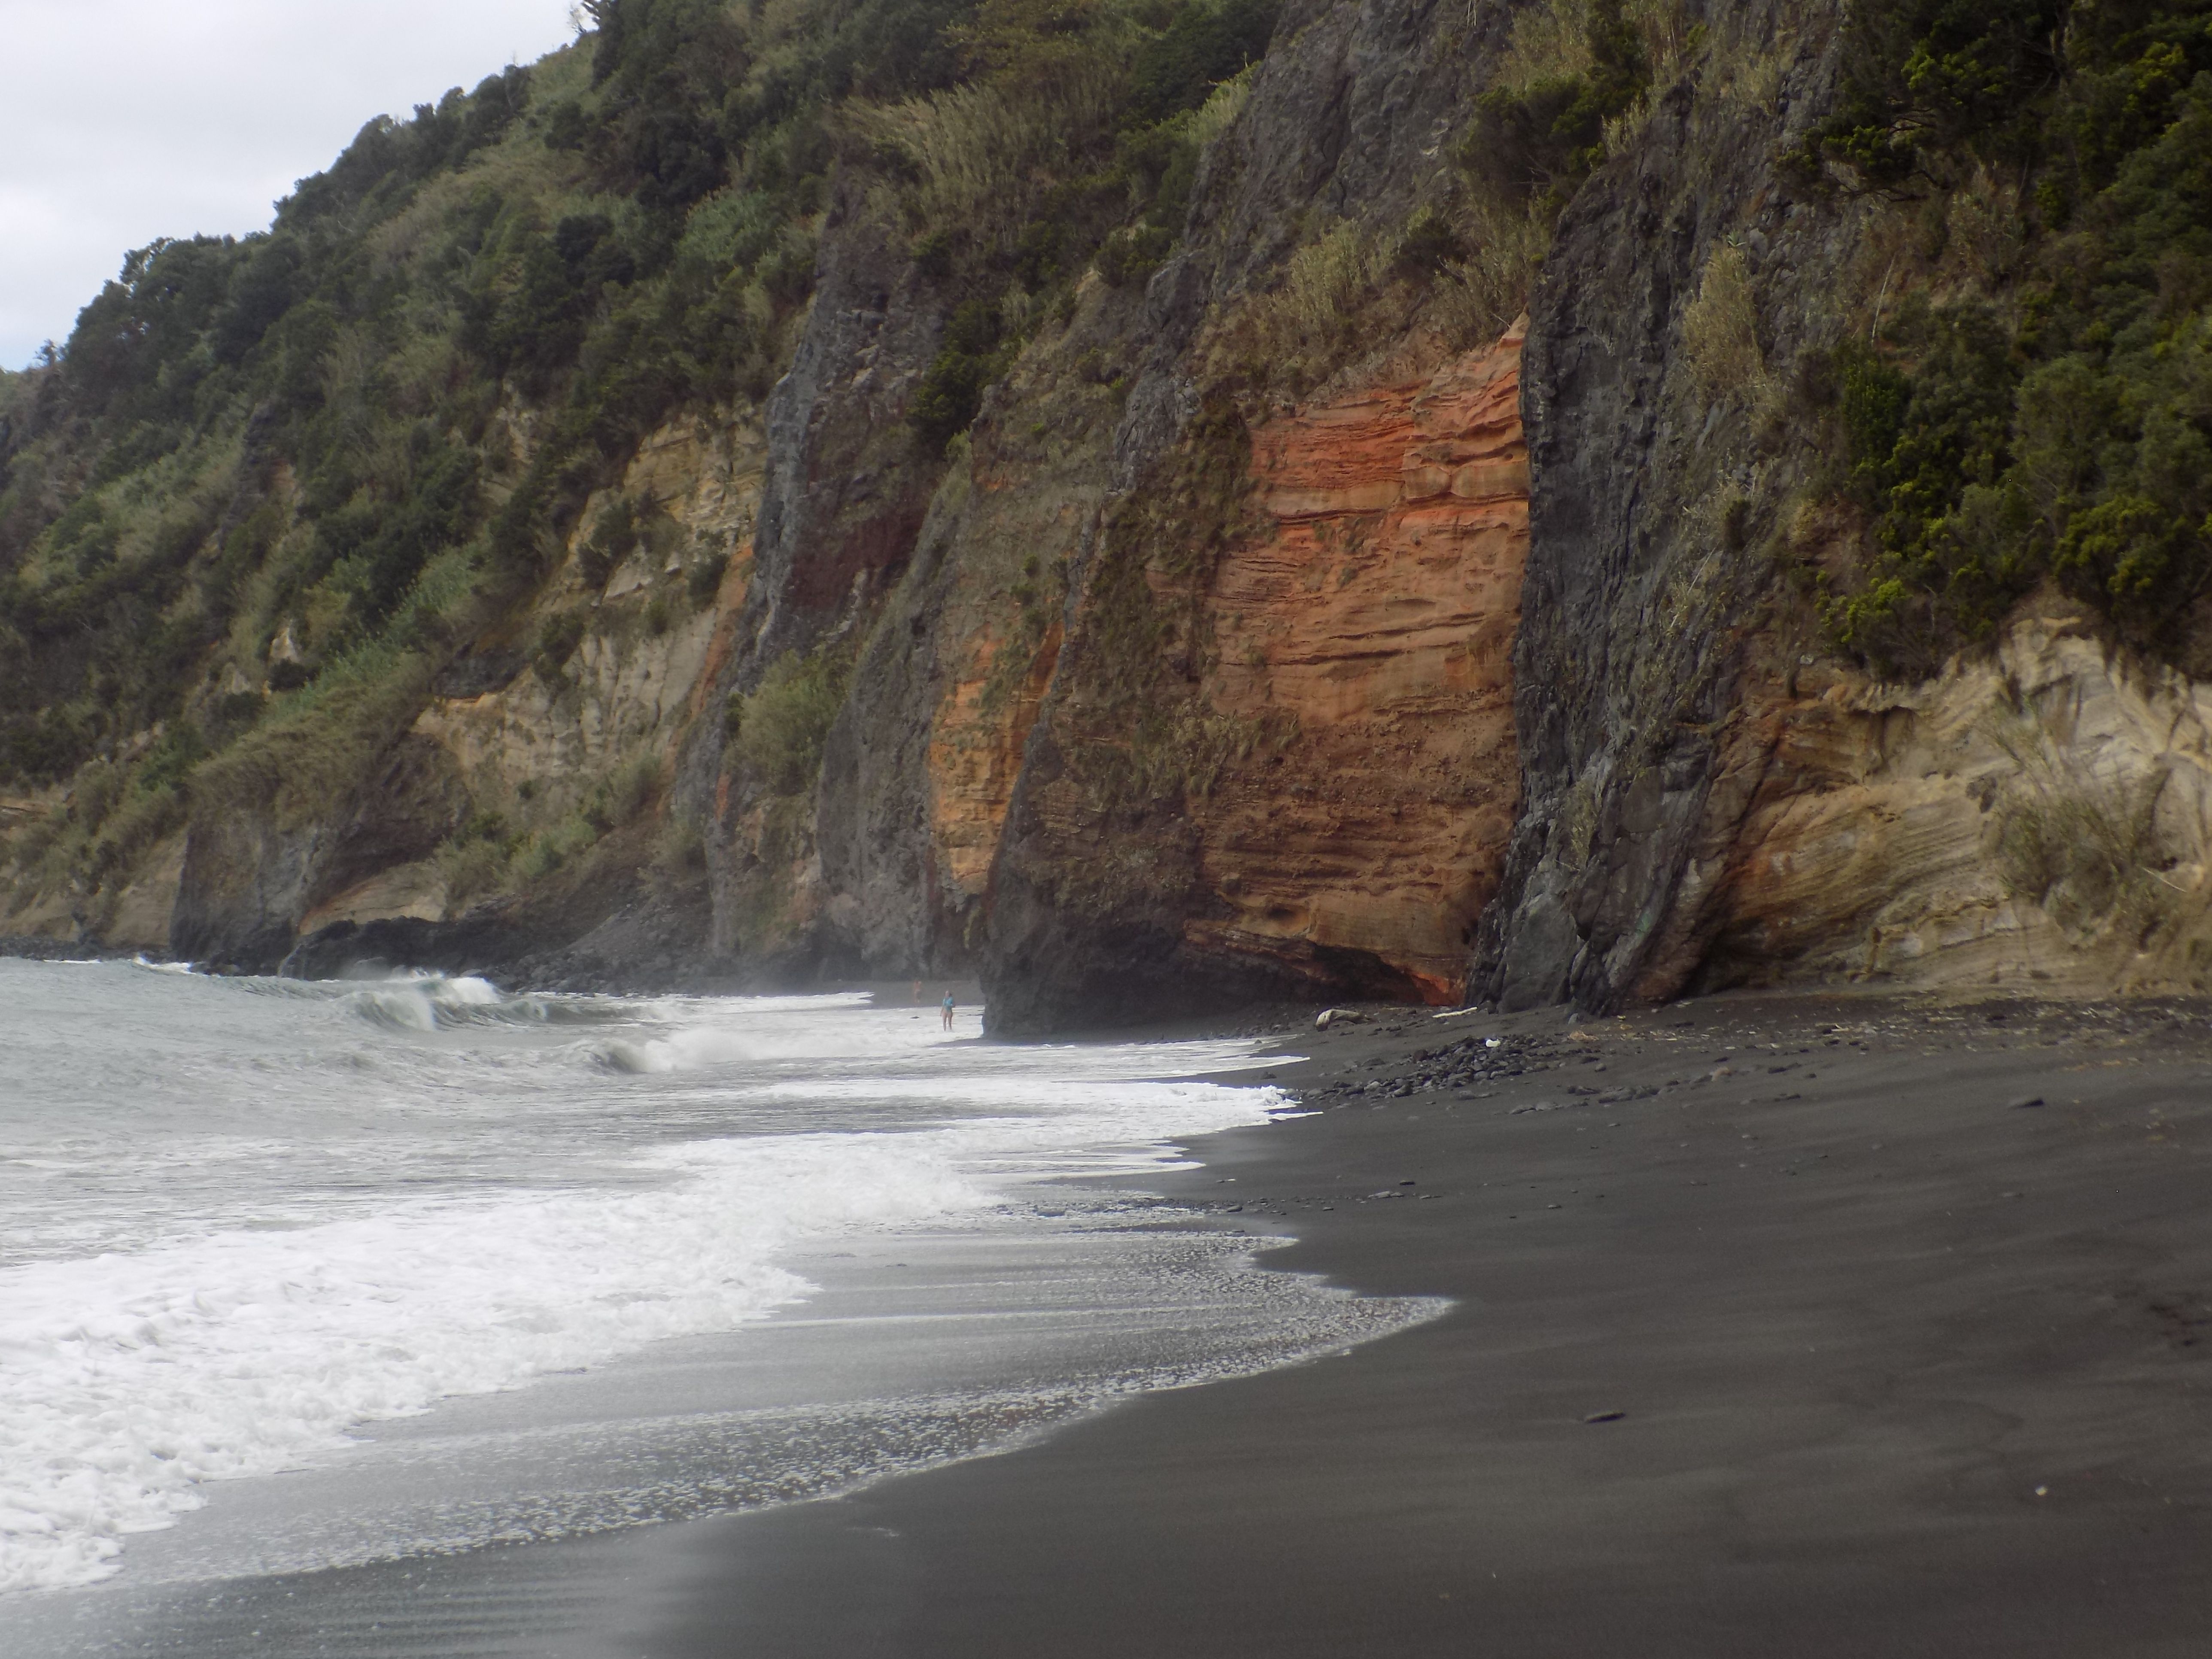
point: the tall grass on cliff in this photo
(1719, 331)
(1070, 145)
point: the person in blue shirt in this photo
(947, 1005)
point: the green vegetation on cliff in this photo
(2033, 401)
(1072, 142)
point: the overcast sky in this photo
(124, 120)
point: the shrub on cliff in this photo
(974, 354)
(1202, 46)
(2056, 425)
(780, 728)
(1927, 75)
(1539, 131)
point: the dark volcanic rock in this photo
(243, 890)
(845, 493)
(251, 878)
(1639, 595)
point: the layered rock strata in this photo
(2039, 817)
(1374, 611)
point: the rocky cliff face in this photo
(1285, 616)
(398, 873)
(1117, 758)
(1349, 775)
(1715, 796)
(2034, 819)
(1646, 590)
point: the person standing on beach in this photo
(947, 1006)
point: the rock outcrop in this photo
(1350, 776)
(1374, 610)
(2037, 818)
(1651, 497)
(1713, 798)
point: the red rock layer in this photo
(1375, 608)
(974, 758)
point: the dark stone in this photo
(1629, 658)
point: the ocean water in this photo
(301, 1277)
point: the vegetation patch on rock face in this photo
(975, 353)
(1070, 145)
(488, 855)
(2086, 848)
(1572, 87)
(2031, 399)
(780, 727)
(1573, 69)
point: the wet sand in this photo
(1884, 1361)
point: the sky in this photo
(124, 120)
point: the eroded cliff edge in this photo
(1196, 684)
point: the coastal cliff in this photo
(1557, 502)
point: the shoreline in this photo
(954, 1331)
(1793, 1323)
(911, 1351)
(1842, 1349)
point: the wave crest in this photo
(431, 1002)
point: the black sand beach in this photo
(1784, 1327)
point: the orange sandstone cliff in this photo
(1374, 609)
(1325, 805)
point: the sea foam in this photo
(131, 1378)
